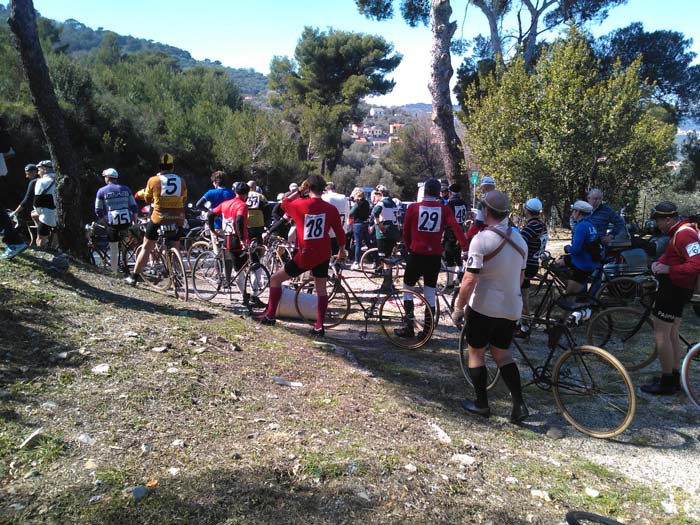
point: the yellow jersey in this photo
(167, 193)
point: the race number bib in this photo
(227, 225)
(693, 249)
(314, 226)
(461, 214)
(429, 219)
(119, 217)
(253, 201)
(170, 185)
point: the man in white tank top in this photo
(342, 204)
(491, 286)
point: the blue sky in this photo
(249, 33)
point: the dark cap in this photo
(431, 188)
(454, 188)
(241, 188)
(664, 209)
(496, 201)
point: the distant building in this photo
(394, 128)
(376, 112)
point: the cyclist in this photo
(234, 214)
(677, 270)
(314, 219)
(167, 193)
(444, 193)
(31, 172)
(491, 286)
(256, 218)
(221, 193)
(584, 254)
(44, 213)
(359, 213)
(386, 230)
(115, 204)
(14, 245)
(535, 235)
(423, 227)
(451, 250)
(342, 204)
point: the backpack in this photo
(691, 226)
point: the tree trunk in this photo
(22, 22)
(494, 34)
(450, 145)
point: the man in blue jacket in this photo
(603, 215)
(584, 255)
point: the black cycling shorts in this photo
(530, 272)
(152, 231)
(385, 246)
(575, 273)
(293, 270)
(116, 232)
(425, 266)
(670, 300)
(483, 330)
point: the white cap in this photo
(534, 205)
(293, 186)
(488, 180)
(582, 206)
(111, 173)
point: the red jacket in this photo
(682, 255)
(423, 226)
(314, 218)
(230, 211)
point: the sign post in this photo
(475, 179)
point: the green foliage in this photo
(565, 128)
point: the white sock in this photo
(114, 256)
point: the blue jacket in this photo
(584, 233)
(604, 215)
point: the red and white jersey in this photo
(314, 219)
(230, 210)
(423, 226)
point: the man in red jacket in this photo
(314, 218)
(677, 269)
(423, 225)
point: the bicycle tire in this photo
(207, 275)
(582, 373)
(155, 272)
(392, 315)
(257, 288)
(338, 304)
(626, 291)
(99, 258)
(370, 266)
(195, 250)
(493, 373)
(690, 375)
(627, 333)
(577, 517)
(178, 275)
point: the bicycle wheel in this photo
(155, 273)
(195, 250)
(690, 375)
(99, 258)
(371, 267)
(627, 333)
(627, 291)
(492, 370)
(178, 275)
(257, 288)
(392, 316)
(593, 391)
(338, 304)
(577, 517)
(207, 276)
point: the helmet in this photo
(382, 189)
(293, 186)
(487, 181)
(241, 188)
(583, 207)
(45, 164)
(30, 167)
(166, 159)
(443, 187)
(111, 173)
(431, 188)
(534, 205)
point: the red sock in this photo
(273, 302)
(321, 307)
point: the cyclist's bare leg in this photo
(664, 345)
(574, 287)
(322, 301)
(678, 350)
(144, 254)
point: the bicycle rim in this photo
(690, 375)
(257, 288)
(338, 304)
(627, 333)
(370, 266)
(155, 273)
(593, 391)
(492, 370)
(178, 275)
(392, 316)
(207, 276)
(195, 250)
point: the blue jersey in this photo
(215, 197)
(116, 203)
(584, 234)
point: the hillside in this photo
(154, 411)
(80, 39)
